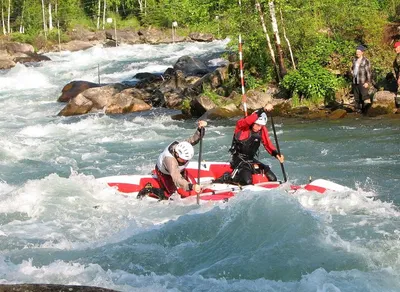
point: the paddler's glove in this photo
(259, 112)
(201, 132)
(195, 187)
(201, 128)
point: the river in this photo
(59, 225)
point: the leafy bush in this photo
(22, 37)
(313, 82)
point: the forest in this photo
(305, 46)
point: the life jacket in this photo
(246, 148)
(169, 152)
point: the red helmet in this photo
(396, 44)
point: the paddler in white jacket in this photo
(174, 159)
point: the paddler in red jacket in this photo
(249, 133)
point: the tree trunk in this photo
(104, 13)
(140, 5)
(287, 41)
(58, 26)
(8, 18)
(98, 15)
(21, 25)
(271, 50)
(50, 18)
(44, 20)
(2, 18)
(274, 23)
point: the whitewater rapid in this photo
(60, 225)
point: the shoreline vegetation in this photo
(296, 56)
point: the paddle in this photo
(277, 147)
(202, 132)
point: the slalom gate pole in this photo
(202, 132)
(241, 68)
(277, 147)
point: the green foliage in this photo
(312, 81)
(212, 95)
(132, 23)
(252, 82)
(22, 38)
(52, 36)
(322, 33)
(185, 105)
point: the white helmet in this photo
(262, 120)
(184, 150)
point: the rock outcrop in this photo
(12, 53)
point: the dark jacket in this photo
(364, 71)
(244, 136)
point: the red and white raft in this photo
(209, 171)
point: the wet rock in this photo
(76, 45)
(384, 98)
(30, 57)
(16, 47)
(223, 112)
(126, 36)
(315, 115)
(6, 61)
(154, 36)
(173, 100)
(257, 99)
(191, 66)
(12, 53)
(200, 105)
(85, 97)
(201, 37)
(73, 88)
(338, 114)
(82, 34)
(147, 77)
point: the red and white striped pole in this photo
(241, 70)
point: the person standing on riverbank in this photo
(396, 67)
(361, 72)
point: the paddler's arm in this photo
(265, 137)
(198, 134)
(171, 165)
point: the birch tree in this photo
(8, 17)
(275, 30)
(271, 50)
(142, 6)
(98, 14)
(104, 13)
(21, 25)
(287, 40)
(50, 17)
(44, 20)
(2, 18)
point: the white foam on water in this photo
(22, 78)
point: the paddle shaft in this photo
(277, 147)
(202, 132)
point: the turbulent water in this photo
(58, 224)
